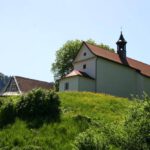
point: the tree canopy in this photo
(67, 53)
(3, 81)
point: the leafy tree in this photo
(3, 81)
(67, 53)
(64, 58)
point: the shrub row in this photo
(7, 113)
(38, 103)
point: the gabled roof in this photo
(143, 68)
(26, 84)
(78, 73)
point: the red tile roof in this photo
(26, 84)
(78, 73)
(137, 65)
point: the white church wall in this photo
(146, 82)
(90, 66)
(72, 84)
(86, 84)
(115, 79)
(84, 54)
(139, 84)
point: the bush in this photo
(137, 127)
(7, 113)
(91, 140)
(39, 103)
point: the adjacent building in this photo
(103, 71)
(19, 85)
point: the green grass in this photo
(79, 112)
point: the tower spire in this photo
(121, 46)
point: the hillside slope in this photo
(96, 106)
(79, 112)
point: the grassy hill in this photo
(80, 111)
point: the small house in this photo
(19, 85)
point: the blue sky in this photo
(32, 30)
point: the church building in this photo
(102, 71)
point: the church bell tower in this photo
(121, 47)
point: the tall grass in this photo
(79, 112)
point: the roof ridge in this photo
(106, 54)
(116, 53)
(31, 79)
(139, 61)
(98, 47)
